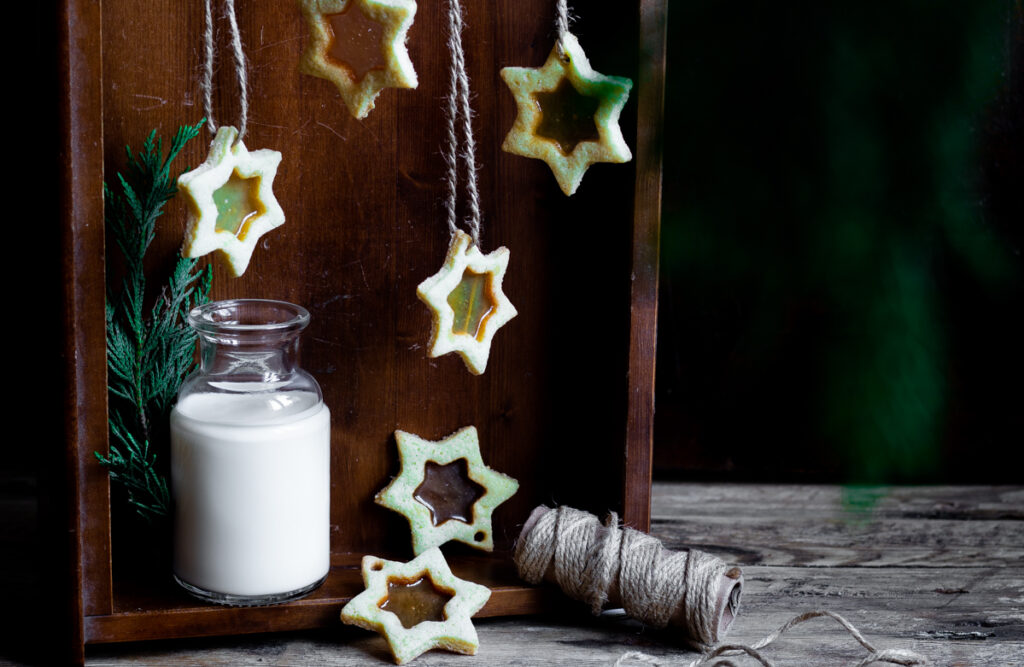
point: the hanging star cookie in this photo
(445, 490)
(568, 114)
(466, 302)
(230, 200)
(359, 46)
(417, 606)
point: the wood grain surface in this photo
(365, 224)
(965, 607)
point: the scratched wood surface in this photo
(935, 569)
(366, 223)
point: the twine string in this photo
(206, 81)
(458, 108)
(893, 656)
(655, 586)
(561, 22)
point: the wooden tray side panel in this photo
(644, 293)
(82, 247)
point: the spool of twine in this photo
(605, 565)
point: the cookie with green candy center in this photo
(230, 200)
(568, 114)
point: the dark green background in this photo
(842, 292)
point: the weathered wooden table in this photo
(939, 570)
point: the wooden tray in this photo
(566, 404)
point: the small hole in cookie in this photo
(480, 536)
(377, 567)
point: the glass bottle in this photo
(250, 459)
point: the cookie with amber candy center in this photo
(466, 302)
(568, 114)
(417, 606)
(359, 46)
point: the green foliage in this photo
(148, 356)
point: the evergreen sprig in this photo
(147, 357)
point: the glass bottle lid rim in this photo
(248, 315)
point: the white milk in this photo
(251, 480)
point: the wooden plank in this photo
(644, 276)
(82, 252)
(147, 611)
(953, 502)
(314, 612)
(943, 545)
(813, 526)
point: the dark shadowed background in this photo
(841, 292)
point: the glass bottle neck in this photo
(250, 346)
(236, 359)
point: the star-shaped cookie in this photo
(466, 302)
(421, 619)
(568, 114)
(445, 490)
(359, 46)
(230, 200)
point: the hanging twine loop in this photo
(561, 23)
(460, 144)
(206, 81)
